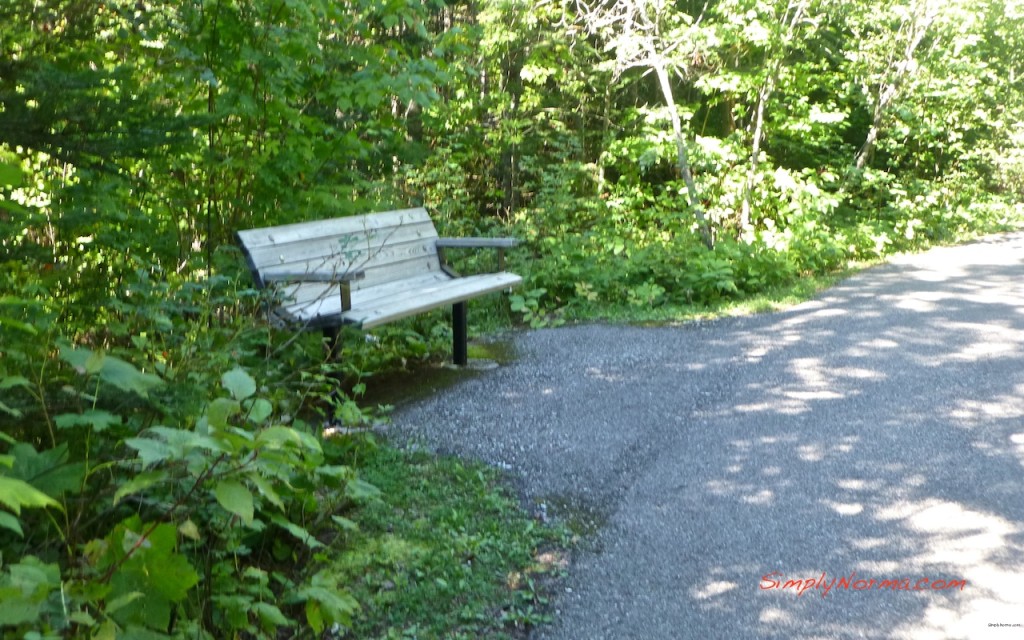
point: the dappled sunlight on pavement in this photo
(852, 467)
(983, 549)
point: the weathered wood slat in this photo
(298, 232)
(306, 291)
(405, 287)
(457, 290)
(385, 266)
(326, 302)
(348, 276)
(340, 247)
(369, 297)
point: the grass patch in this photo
(445, 552)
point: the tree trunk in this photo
(682, 159)
(755, 151)
(889, 86)
(791, 21)
(867, 150)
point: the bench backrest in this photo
(386, 246)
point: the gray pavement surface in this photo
(878, 429)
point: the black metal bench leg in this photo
(459, 338)
(333, 336)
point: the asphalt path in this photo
(868, 444)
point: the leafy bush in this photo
(150, 485)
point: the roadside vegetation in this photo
(164, 468)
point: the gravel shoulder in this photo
(877, 430)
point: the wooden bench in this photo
(366, 271)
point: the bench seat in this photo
(386, 303)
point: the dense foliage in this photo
(162, 469)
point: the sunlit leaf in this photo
(239, 383)
(259, 410)
(189, 530)
(15, 494)
(10, 175)
(236, 498)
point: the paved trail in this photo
(878, 429)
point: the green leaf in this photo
(239, 383)
(134, 632)
(94, 362)
(267, 490)
(106, 631)
(325, 601)
(315, 616)
(150, 451)
(17, 324)
(24, 588)
(299, 532)
(139, 483)
(182, 441)
(15, 381)
(361, 490)
(116, 371)
(220, 411)
(10, 410)
(122, 601)
(190, 530)
(82, 618)
(175, 576)
(17, 609)
(270, 616)
(47, 471)
(11, 523)
(259, 410)
(345, 524)
(98, 419)
(14, 207)
(10, 175)
(154, 569)
(279, 437)
(126, 377)
(336, 472)
(236, 498)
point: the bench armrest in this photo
(475, 243)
